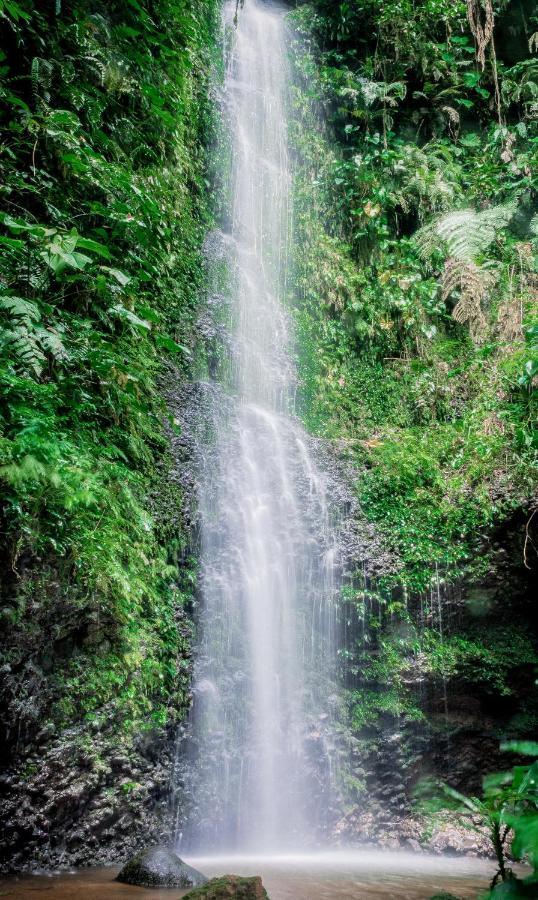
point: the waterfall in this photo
(262, 766)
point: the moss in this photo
(229, 886)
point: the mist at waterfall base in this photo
(260, 769)
(362, 875)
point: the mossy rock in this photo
(160, 867)
(444, 896)
(230, 887)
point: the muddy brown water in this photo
(357, 875)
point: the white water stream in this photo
(262, 774)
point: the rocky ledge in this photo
(452, 834)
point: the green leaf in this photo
(120, 276)
(9, 7)
(525, 836)
(471, 803)
(471, 79)
(14, 243)
(150, 314)
(526, 748)
(58, 259)
(167, 343)
(470, 139)
(93, 247)
(20, 308)
(129, 316)
(16, 225)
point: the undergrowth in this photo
(105, 119)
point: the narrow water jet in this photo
(261, 774)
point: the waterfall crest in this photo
(261, 775)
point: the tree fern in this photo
(465, 234)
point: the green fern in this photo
(20, 309)
(30, 343)
(464, 234)
(41, 77)
(24, 345)
(429, 179)
(51, 343)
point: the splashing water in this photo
(262, 772)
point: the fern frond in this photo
(30, 342)
(50, 342)
(466, 277)
(472, 282)
(27, 352)
(20, 308)
(369, 90)
(465, 233)
(452, 114)
(29, 469)
(41, 77)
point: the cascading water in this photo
(260, 777)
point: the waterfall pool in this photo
(345, 875)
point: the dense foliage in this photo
(415, 294)
(416, 249)
(422, 317)
(105, 119)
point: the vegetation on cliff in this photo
(421, 324)
(105, 118)
(416, 248)
(415, 293)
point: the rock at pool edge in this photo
(230, 887)
(160, 867)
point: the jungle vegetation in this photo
(416, 289)
(416, 220)
(106, 117)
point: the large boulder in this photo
(230, 887)
(160, 867)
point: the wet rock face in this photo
(454, 836)
(230, 887)
(87, 798)
(160, 867)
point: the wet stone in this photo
(230, 887)
(160, 867)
